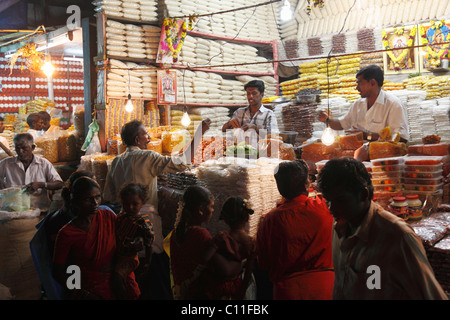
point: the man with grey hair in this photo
(26, 169)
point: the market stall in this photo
(163, 63)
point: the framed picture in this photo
(433, 36)
(401, 57)
(167, 86)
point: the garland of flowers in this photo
(434, 57)
(316, 3)
(401, 56)
(33, 58)
(170, 27)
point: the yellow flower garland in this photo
(401, 56)
(169, 25)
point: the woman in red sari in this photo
(88, 241)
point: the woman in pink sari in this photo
(88, 241)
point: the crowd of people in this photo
(313, 248)
(336, 245)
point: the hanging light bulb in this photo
(185, 120)
(286, 11)
(129, 106)
(328, 136)
(48, 68)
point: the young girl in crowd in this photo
(133, 231)
(236, 245)
(190, 254)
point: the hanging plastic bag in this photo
(94, 145)
(93, 128)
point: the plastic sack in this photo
(94, 145)
(93, 128)
(15, 199)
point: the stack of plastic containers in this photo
(387, 175)
(423, 175)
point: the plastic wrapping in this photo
(15, 199)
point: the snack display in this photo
(418, 168)
(388, 161)
(416, 187)
(387, 187)
(393, 167)
(411, 181)
(423, 175)
(49, 148)
(384, 181)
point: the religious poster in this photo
(433, 38)
(173, 33)
(167, 87)
(401, 56)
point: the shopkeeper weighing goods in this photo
(255, 119)
(26, 169)
(374, 111)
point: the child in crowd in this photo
(236, 244)
(134, 232)
(196, 269)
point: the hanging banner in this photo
(167, 86)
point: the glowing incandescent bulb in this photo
(129, 106)
(328, 136)
(286, 11)
(48, 68)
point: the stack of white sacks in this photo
(133, 41)
(200, 52)
(218, 116)
(250, 179)
(142, 10)
(208, 88)
(254, 23)
(125, 78)
(441, 114)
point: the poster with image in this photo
(434, 38)
(401, 56)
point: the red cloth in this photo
(231, 249)
(185, 258)
(92, 251)
(294, 244)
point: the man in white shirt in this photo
(376, 254)
(375, 110)
(255, 120)
(139, 165)
(26, 169)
